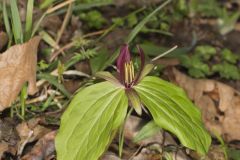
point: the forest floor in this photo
(78, 39)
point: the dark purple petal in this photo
(142, 58)
(123, 57)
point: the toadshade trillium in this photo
(97, 112)
(126, 76)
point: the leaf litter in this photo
(17, 66)
(218, 102)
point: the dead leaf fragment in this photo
(30, 131)
(17, 66)
(43, 149)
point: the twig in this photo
(20, 149)
(71, 44)
(165, 53)
(64, 24)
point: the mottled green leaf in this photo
(149, 130)
(90, 121)
(172, 110)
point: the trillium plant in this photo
(97, 112)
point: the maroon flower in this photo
(126, 75)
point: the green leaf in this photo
(205, 51)
(227, 70)
(6, 20)
(108, 77)
(29, 20)
(227, 55)
(172, 110)
(134, 33)
(141, 24)
(89, 123)
(233, 153)
(149, 130)
(134, 100)
(16, 22)
(46, 3)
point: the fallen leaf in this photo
(3, 148)
(43, 149)
(17, 66)
(219, 103)
(30, 131)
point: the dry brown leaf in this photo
(30, 131)
(3, 148)
(17, 66)
(43, 149)
(219, 103)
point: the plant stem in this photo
(23, 98)
(121, 134)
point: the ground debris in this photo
(44, 149)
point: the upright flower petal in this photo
(142, 56)
(123, 59)
(144, 69)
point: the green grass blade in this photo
(138, 28)
(48, 39)
(6, 20)
(134, 32)
(28, 27)
(53, 80)
(23, 97)
(46, 3)
(16, 22)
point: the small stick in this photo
(165, 53)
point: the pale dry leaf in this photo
(17, 66)
(30, 131)
(43, 149)
(219, 103)
(226, 94)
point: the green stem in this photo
(23, 98)
(121, 134)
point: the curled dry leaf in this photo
(30, 131)
(219, 103)
(17, 66)
(43, 149)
